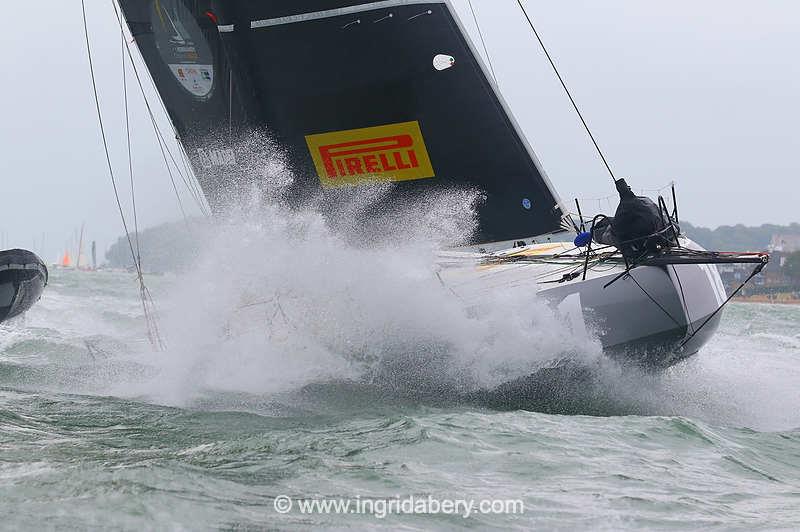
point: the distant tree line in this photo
(737, 237)
(169, 247)
(173, 246)
(792, 265)
(743, 238)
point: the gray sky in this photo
(700, 92)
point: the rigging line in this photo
(130, 157)
(119, 21)
(198, 193)
(607, 199)
(152, 318)
(138, 256)
(164, 147)
(483, 42)
(755, 272)
(566, 89)
(103, 132)
(187, 182)
(665, 311)
(683, 298)
(154, 337)
(152, 115)
(172, 179)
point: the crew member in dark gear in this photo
(637, 227)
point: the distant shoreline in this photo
(778, 299)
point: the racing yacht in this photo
(356, 92)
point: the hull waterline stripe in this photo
(304, 17)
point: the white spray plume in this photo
(280, 300)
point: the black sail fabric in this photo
(353, 92)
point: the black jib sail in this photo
(352, 91)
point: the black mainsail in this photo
(353, 91)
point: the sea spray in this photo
(85, 339)
(281, 298)
(343, 289)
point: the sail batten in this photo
(353, 93)
(304, 17)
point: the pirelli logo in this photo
(394, 152)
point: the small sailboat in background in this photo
(79, 255)
(78, 261)
(82, 261)
(65, 262)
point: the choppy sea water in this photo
(97, 431)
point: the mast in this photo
(80, 248)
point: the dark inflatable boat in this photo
(23, 277)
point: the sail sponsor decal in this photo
(183, 47)
(394, 152)
(197, 79)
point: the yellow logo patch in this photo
(395, 152)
